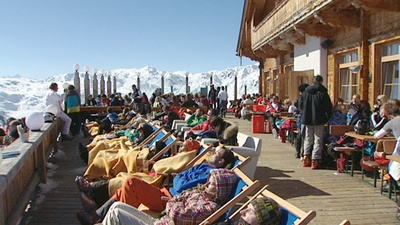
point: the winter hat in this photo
(192, 144)
(267, 210)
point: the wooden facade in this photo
(353, 44)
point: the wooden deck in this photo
(333, 196)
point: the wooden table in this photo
(395, 158)
(364, 137)
(100, 108)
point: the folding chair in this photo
(290, 213)
(244, 187)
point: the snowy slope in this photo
(21, 96)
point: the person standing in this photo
(53, 98)
(137, 99)
(212, 96)
(72, 107)
(223, 101)
(316, 108)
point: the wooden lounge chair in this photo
(244, 187)
(290, 213)
(170, 140)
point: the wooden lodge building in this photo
(353, 44)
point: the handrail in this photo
(20, 175)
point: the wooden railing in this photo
(284, 16)
(20, 175)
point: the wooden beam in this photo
(378, 5)
(317, 30)
(280, 44)
(344, 18)
(293, 37)
(271, 52)
(261, 54)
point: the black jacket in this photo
(315, 105)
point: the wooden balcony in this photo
(284, 17)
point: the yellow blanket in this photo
(172, 164)
(101, 145)
(93, 128)
(119, 158)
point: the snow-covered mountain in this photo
(21, 96)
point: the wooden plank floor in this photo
(333, 196)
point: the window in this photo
(348, 84)
(392, 49)
(390, 75)
(348, 77)
(390, 70)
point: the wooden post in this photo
(115, 83)
(95, 86)
(187, 83)
(138, 81)
(87, 86)
(102, 84)
(211, 78)
(365, 17)
(235, 91)
(77, 83)
(109, 84)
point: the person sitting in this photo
(106, 124)
(171, 116)
(259, 211)
(189, 102)
(12, 133)
(354, 106)
(104, 100)
(377, 121)
(291, 108)
(191, 207)
(131, 191)
(205, 126)
(363, 113)
(273, 108)
(90, 101)
(196, 118)
(245, 109)
(224, 131)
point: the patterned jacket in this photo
(193, 207)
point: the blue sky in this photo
(42, 38)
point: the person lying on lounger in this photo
(132, 188)
(260, 211)
(190, 207)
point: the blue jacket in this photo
(72, 102)
(190, 178)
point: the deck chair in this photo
(290, 213)
(158, 133)
(205, 148)
(339, 130)
(244, 187)
(170, 141)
